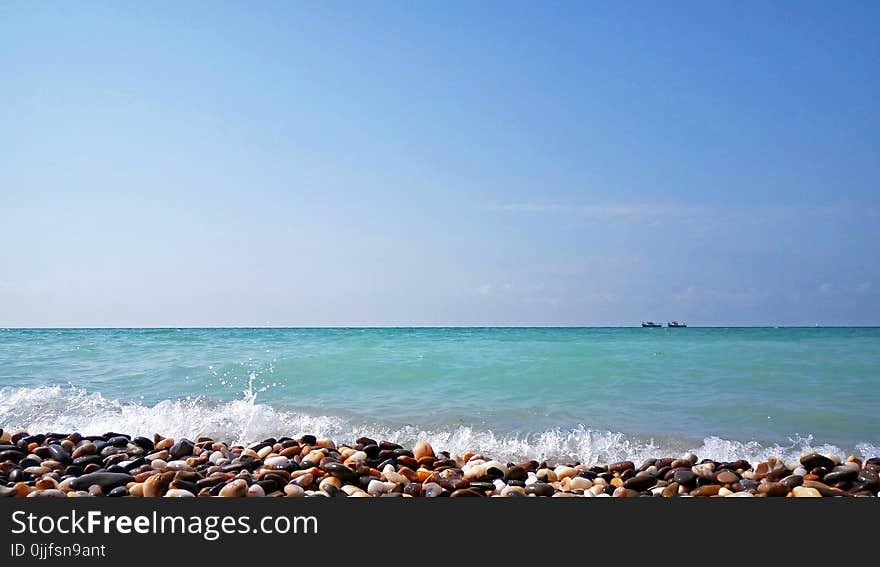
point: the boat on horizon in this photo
(676, 324)
(651, 324)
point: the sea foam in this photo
(67, 409)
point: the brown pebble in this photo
(706, 490)
(774, 489)
(726, 477)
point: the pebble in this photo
(640, 482)
(235, 489)
(773, 489)
(684, 476)
(804, 492)
(814, 460)
(115, 465)
(423, 449)
(726, 477)
(376, 487)
(105, 480)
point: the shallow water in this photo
(574, 393)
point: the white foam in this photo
(67, 409)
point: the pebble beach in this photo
(119, 465)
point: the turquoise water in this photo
(586, 393)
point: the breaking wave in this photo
(67, 409)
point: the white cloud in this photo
(608, 210)
(863, 287)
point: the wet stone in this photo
(106, 480)
(868, 478)
(621, 466)
(727, 477)
(685, 477)
(773, 489)
(464, 492)
(706, 490)
(815, 460)
(640, 483)
(180, 449)
(792, 480)
(840, 474)
(540, 489)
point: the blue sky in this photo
(448, 163)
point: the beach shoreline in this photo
(119, 465)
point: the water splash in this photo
(68, 408)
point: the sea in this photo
(556, 394)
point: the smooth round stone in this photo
(294, 491)
(376, 487)
(740, 495)
(670, 490)
(869, 478)
(564, 472)
(774, 489)
(329, 481)
(579, 483)
(840, 474)
(705, 471)
(264, 452)
(513, 491)
(304, 480)
(143, 443)
(792, 480)
(84, 450)
(725, 492)
(706, 490)
(157, 484)
(356, 457)
(394, 476)
(621, 492)
(51, 493)
(727, 477)
(540, 489)
(823, 488)
(178, 466)
(814, 460)
(341, 472)
(423, 449)
(432, 490)
(621, 466)
(517, 473)
(276, 462)
(465, 492)
(640, 483)
(179, 493)
(106, 480)
(235, 489)
(254, 491)
(804, 492)
(118, 492)
(216, 457)
(684, 476)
